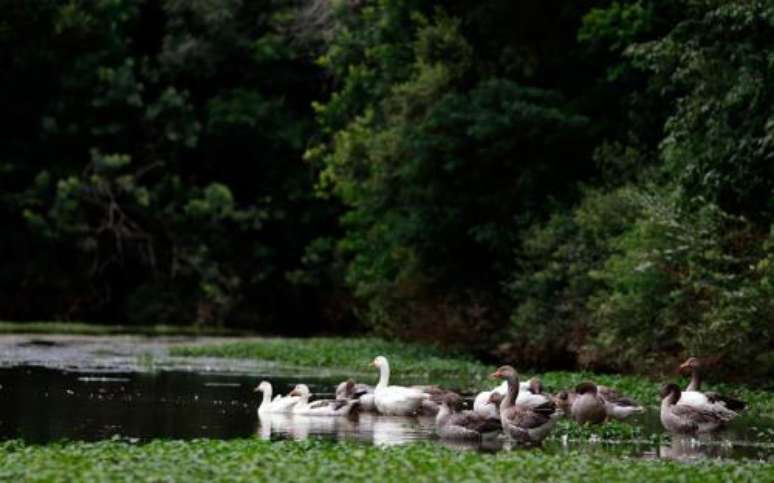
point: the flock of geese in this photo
(519, 409)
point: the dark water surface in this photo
(40, 404)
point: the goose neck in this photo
(513, 392)
(266, 400)
(384, 375)
(443, 415)
(695, 384)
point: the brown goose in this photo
(522, 423)
(564, 399)
(689, 419)
(452, 424)
(695, 397)
(588, 406)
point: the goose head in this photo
(504, 372)
(690, 364)
(301, 390)
(263, 386)
(379, 362)
(586, 387)
(670, 393)
(564, 399)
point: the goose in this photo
(693, 395)
(431, 405)
(564, 399)
(362, 392)
(689, 419)
(618, 406)
(322, 407)
(395, 400)
(530, 394)
(522, 423)
(588, 406)
(468, 425)
(280, 404)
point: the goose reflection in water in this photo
(299, 427)
(395, 430)
(376, 429)
(689, 448)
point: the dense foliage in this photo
(552, 183)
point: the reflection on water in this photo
(41, 405)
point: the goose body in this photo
(693, 396)
(688, 419)
(280, 404)
(467, 425)
(618, 406)
(522, 423)
(323, 407)
(395, 400)
(588, 406)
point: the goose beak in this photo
(683, 367)
(495, 375)
(257, 388)
(293, 393)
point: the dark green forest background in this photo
(554, 183)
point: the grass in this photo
(82, 328)
(416, 363)
(315, 460)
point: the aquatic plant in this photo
(315, 460)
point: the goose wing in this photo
(729, 402)
(334, 404)
(527, 419)
(700, 415)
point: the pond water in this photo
(45, 399)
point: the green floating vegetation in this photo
(315, 460)
(418, 363)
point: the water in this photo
(132, 389)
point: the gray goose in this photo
(689, 419)
(522, 423)
(468, 425)
(588, 406)
(695, 397)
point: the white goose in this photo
(322, 407)
(280, 404)
(395, 400)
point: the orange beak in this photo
(683, 367)
(495, 375)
